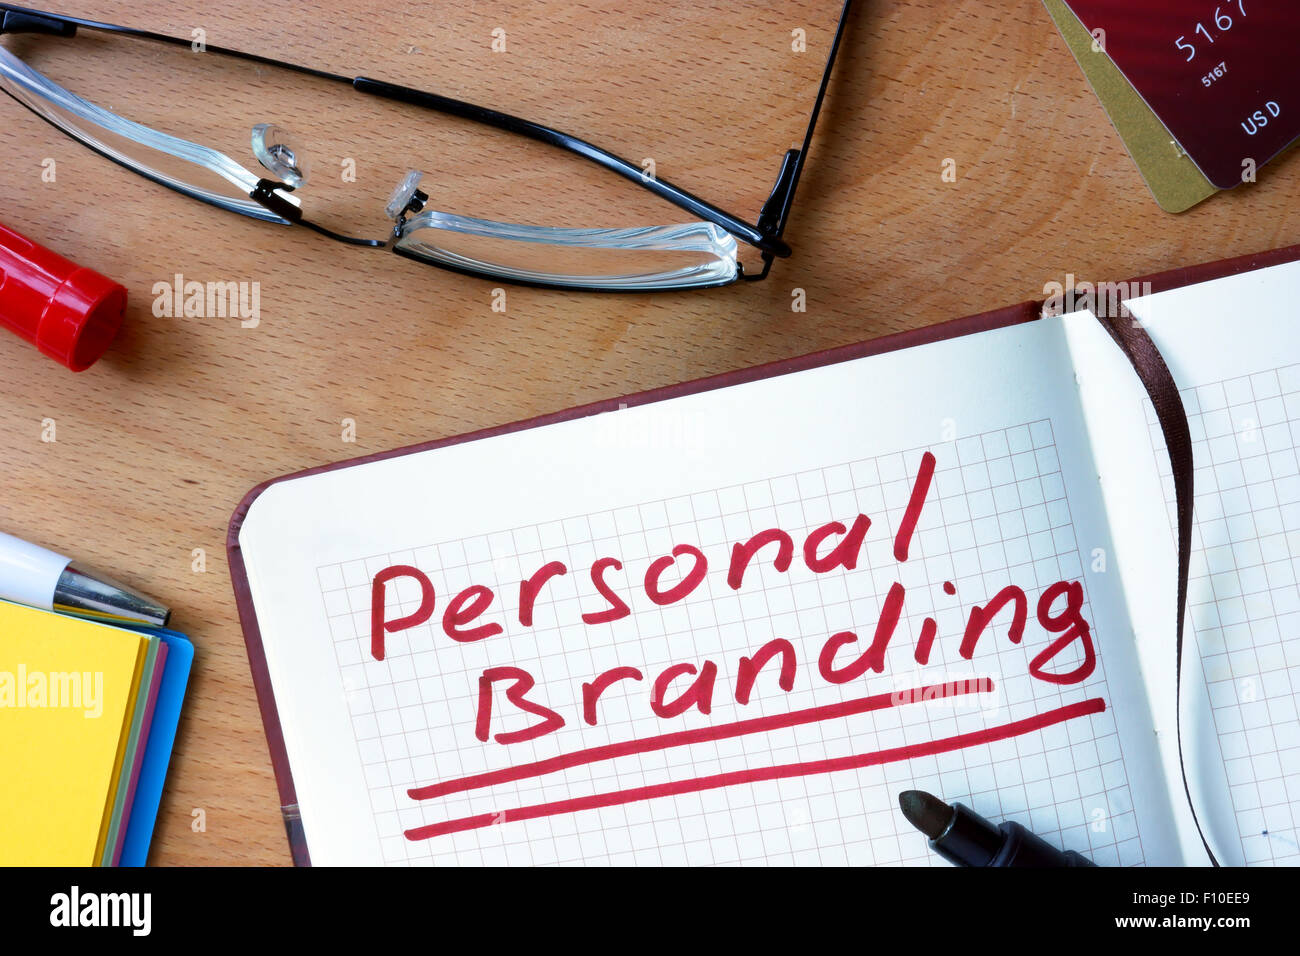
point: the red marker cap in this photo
(68, 312)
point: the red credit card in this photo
(1222, 75)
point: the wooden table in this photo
(157, 443)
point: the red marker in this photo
(67, 311)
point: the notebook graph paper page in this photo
(1232, 349)
(397, 756)
(1243, 600)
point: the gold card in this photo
(1174, 180)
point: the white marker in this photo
(36, 577)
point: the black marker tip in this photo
(926, 812)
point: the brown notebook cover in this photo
(982, 322)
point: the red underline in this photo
(675, 788)
(681, 738)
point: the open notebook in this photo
(756, 608)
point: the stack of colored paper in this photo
(88, 715)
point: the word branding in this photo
(208, 300)
(75, 690)
(74, 908)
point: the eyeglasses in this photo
(700, 253)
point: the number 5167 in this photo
(1217, 73)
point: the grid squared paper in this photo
(1243, 600)
(996, 514)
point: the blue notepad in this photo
(158, 750)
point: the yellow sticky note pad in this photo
(67, 694)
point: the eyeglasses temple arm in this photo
(17, 20)
(26, 20)
(777, 208)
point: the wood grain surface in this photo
(157, 443)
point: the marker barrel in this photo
(69, 312)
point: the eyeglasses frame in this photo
(765, 235)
